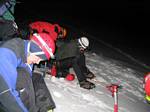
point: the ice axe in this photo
(113, 88)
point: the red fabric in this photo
(147, 87)
(147, 83)
(53, 70)
(116, 108)
(70, 77)
(41, 26)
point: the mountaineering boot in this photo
(90, 75)
(86, 84)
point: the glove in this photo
(70, 77)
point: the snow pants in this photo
(78, 63)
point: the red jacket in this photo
(147, 84)
(47, 27)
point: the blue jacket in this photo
(13, 54)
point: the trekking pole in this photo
(113, 88)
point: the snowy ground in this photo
(69, 97)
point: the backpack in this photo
(4, 6)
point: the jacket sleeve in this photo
(9, 96)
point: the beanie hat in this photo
(84, 42)
(46, 43)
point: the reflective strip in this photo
(22, 90)
(35, 53)
(29, 66)
(28, 47)
(44, 44)
(15, 25)
(38, 53)
(4, 91)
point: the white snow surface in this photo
(70, 97)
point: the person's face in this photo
(33, 59)
(82, 49)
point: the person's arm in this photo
(9, 96)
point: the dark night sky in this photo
(123, 23)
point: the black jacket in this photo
(67, 50)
